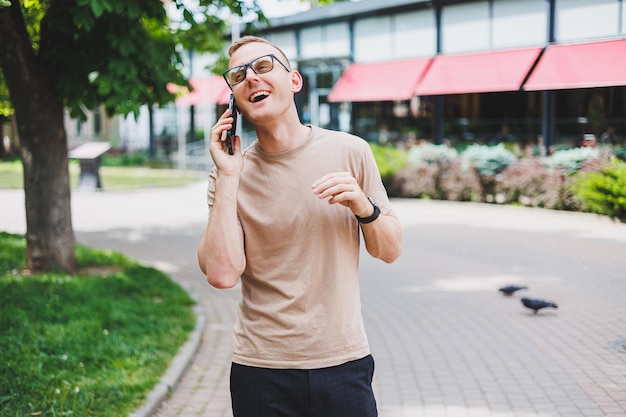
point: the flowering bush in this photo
(522, 182)
(417, 182)
(488, 160)
(452, 182)
(458, 183)
(429, 153)
(422, 177)
(576, 179)
(530, 183)
(571, 160)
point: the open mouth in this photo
(258, 96)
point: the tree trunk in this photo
(50, 241)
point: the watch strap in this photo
(373, 216)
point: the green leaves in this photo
(98, 7)
(5, 103)
(121, 53)
(110, 52)
(604, 192)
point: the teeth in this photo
(258, 96)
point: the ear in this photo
(297, 82)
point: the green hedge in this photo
(389, 159)
(579, 179)
(604, 192)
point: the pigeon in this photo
(536, 304)
(510, 289)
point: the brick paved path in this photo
(446, 343)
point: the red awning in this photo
(205, 90)
(584, 65)
(381, 81)
(222, 97)
(478, 73)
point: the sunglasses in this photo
(261, 65)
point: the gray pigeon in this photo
(510, 289)
(537, 304)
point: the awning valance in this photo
(583, 65)
(205, 90)
(478, 73)
(381, 81)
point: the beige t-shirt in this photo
(300, 305)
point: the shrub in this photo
(604, 192)
(488, 160)
(429, 153)
(390, 160)
(556, 193)
(117, 159)
(428, 165)
(571, 160)
(620, 153)
(575, 179)
(417, 182)
(530, 183)
(522, 182)
(452, 182)
(458, 183)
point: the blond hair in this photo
(244, 40)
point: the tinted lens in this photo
(236, 75)
(263, 64)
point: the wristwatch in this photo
(373, 216)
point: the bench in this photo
(89, 155)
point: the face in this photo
(266, 95)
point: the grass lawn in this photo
(90, 344)
(112, 177)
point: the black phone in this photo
(232, 106)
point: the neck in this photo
(281, 136)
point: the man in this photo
(284, 217)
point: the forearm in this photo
(221, 251)
(383, 237)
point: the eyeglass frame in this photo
(249, 65)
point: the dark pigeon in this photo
(510, 289)
(536, 304)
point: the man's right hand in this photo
(225, 163)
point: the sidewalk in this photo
(445, 342)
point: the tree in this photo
(317, 3)
(79, 54)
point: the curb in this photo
(177, 368)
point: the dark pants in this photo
(339, 391)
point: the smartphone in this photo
(232, 106)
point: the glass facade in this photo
(589, 113)
(394, 121)
(491, 118)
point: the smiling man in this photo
(286, 217)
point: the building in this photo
(453, 71)
(465, 71)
